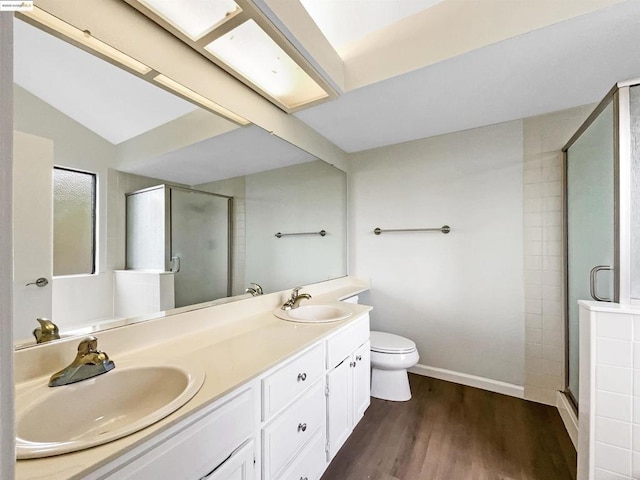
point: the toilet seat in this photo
(383, 342)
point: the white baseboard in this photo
(568, 417)
(469, 380)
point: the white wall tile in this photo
(635, 465)
(533, 335)
(613, 432)
(614, 379)
(636, 410)
(635, 440)
(601, 474)
(532, 320)
(552, 337)
(614, 406)
(533, 305)
(614, 459)
(636, 328)
(613, 352)
(612, 325)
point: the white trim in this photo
(569, 417)
(7, 436)
(470, 380)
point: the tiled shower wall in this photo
(544, 137)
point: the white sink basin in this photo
(55, 420)
(314, 314)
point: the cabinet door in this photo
(339, 405)
(239, 466)
(361, 381)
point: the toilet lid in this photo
(389, 343)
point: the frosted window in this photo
(74, 211)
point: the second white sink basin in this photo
(314, 314)
(55, 420)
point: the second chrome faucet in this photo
(294, 300)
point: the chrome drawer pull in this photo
(302, 427)
(302, 376)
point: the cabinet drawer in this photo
(310, 463)
(239, 466)
(292, 429)
(198, 449)
(289, 381)
(346, 341)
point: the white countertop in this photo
(232, 351)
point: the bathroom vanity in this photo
(278, 400)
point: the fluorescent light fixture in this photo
(199, 99)
(78, 36)
(252, 53)
(194, 18)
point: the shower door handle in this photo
(593, 282)
(175, 264)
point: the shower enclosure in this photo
(602, 213)
(183, 231)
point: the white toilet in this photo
(391, 355)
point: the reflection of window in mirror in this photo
(74, 222)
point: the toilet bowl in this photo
(391, 355)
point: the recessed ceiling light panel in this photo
(252, 53)
(194, 18)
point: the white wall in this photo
(458, 296)
(75, 298)
(301, 198)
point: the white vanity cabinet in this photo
(284, 424)
(348, 382)
(294, 416)
(216, 445)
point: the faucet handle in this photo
(88, 345)
(294, 292)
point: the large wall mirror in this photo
(77, 113)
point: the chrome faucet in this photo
(46, 332)
(89, 363)
(254, 289)
(294, 300)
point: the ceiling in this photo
(569, 62)
(343, 21)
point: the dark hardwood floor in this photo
(453, 432)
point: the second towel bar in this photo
(322, 233)
(443, 229)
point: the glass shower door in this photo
(199, 246)
(590, 228)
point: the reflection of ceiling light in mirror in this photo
(252, 53)
(194, 18)
(78, 36)
(199, 99)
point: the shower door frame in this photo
(619, 96)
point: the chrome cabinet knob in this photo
(359, 358)
(302, 377)
(302, 427)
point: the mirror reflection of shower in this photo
(178, 250)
